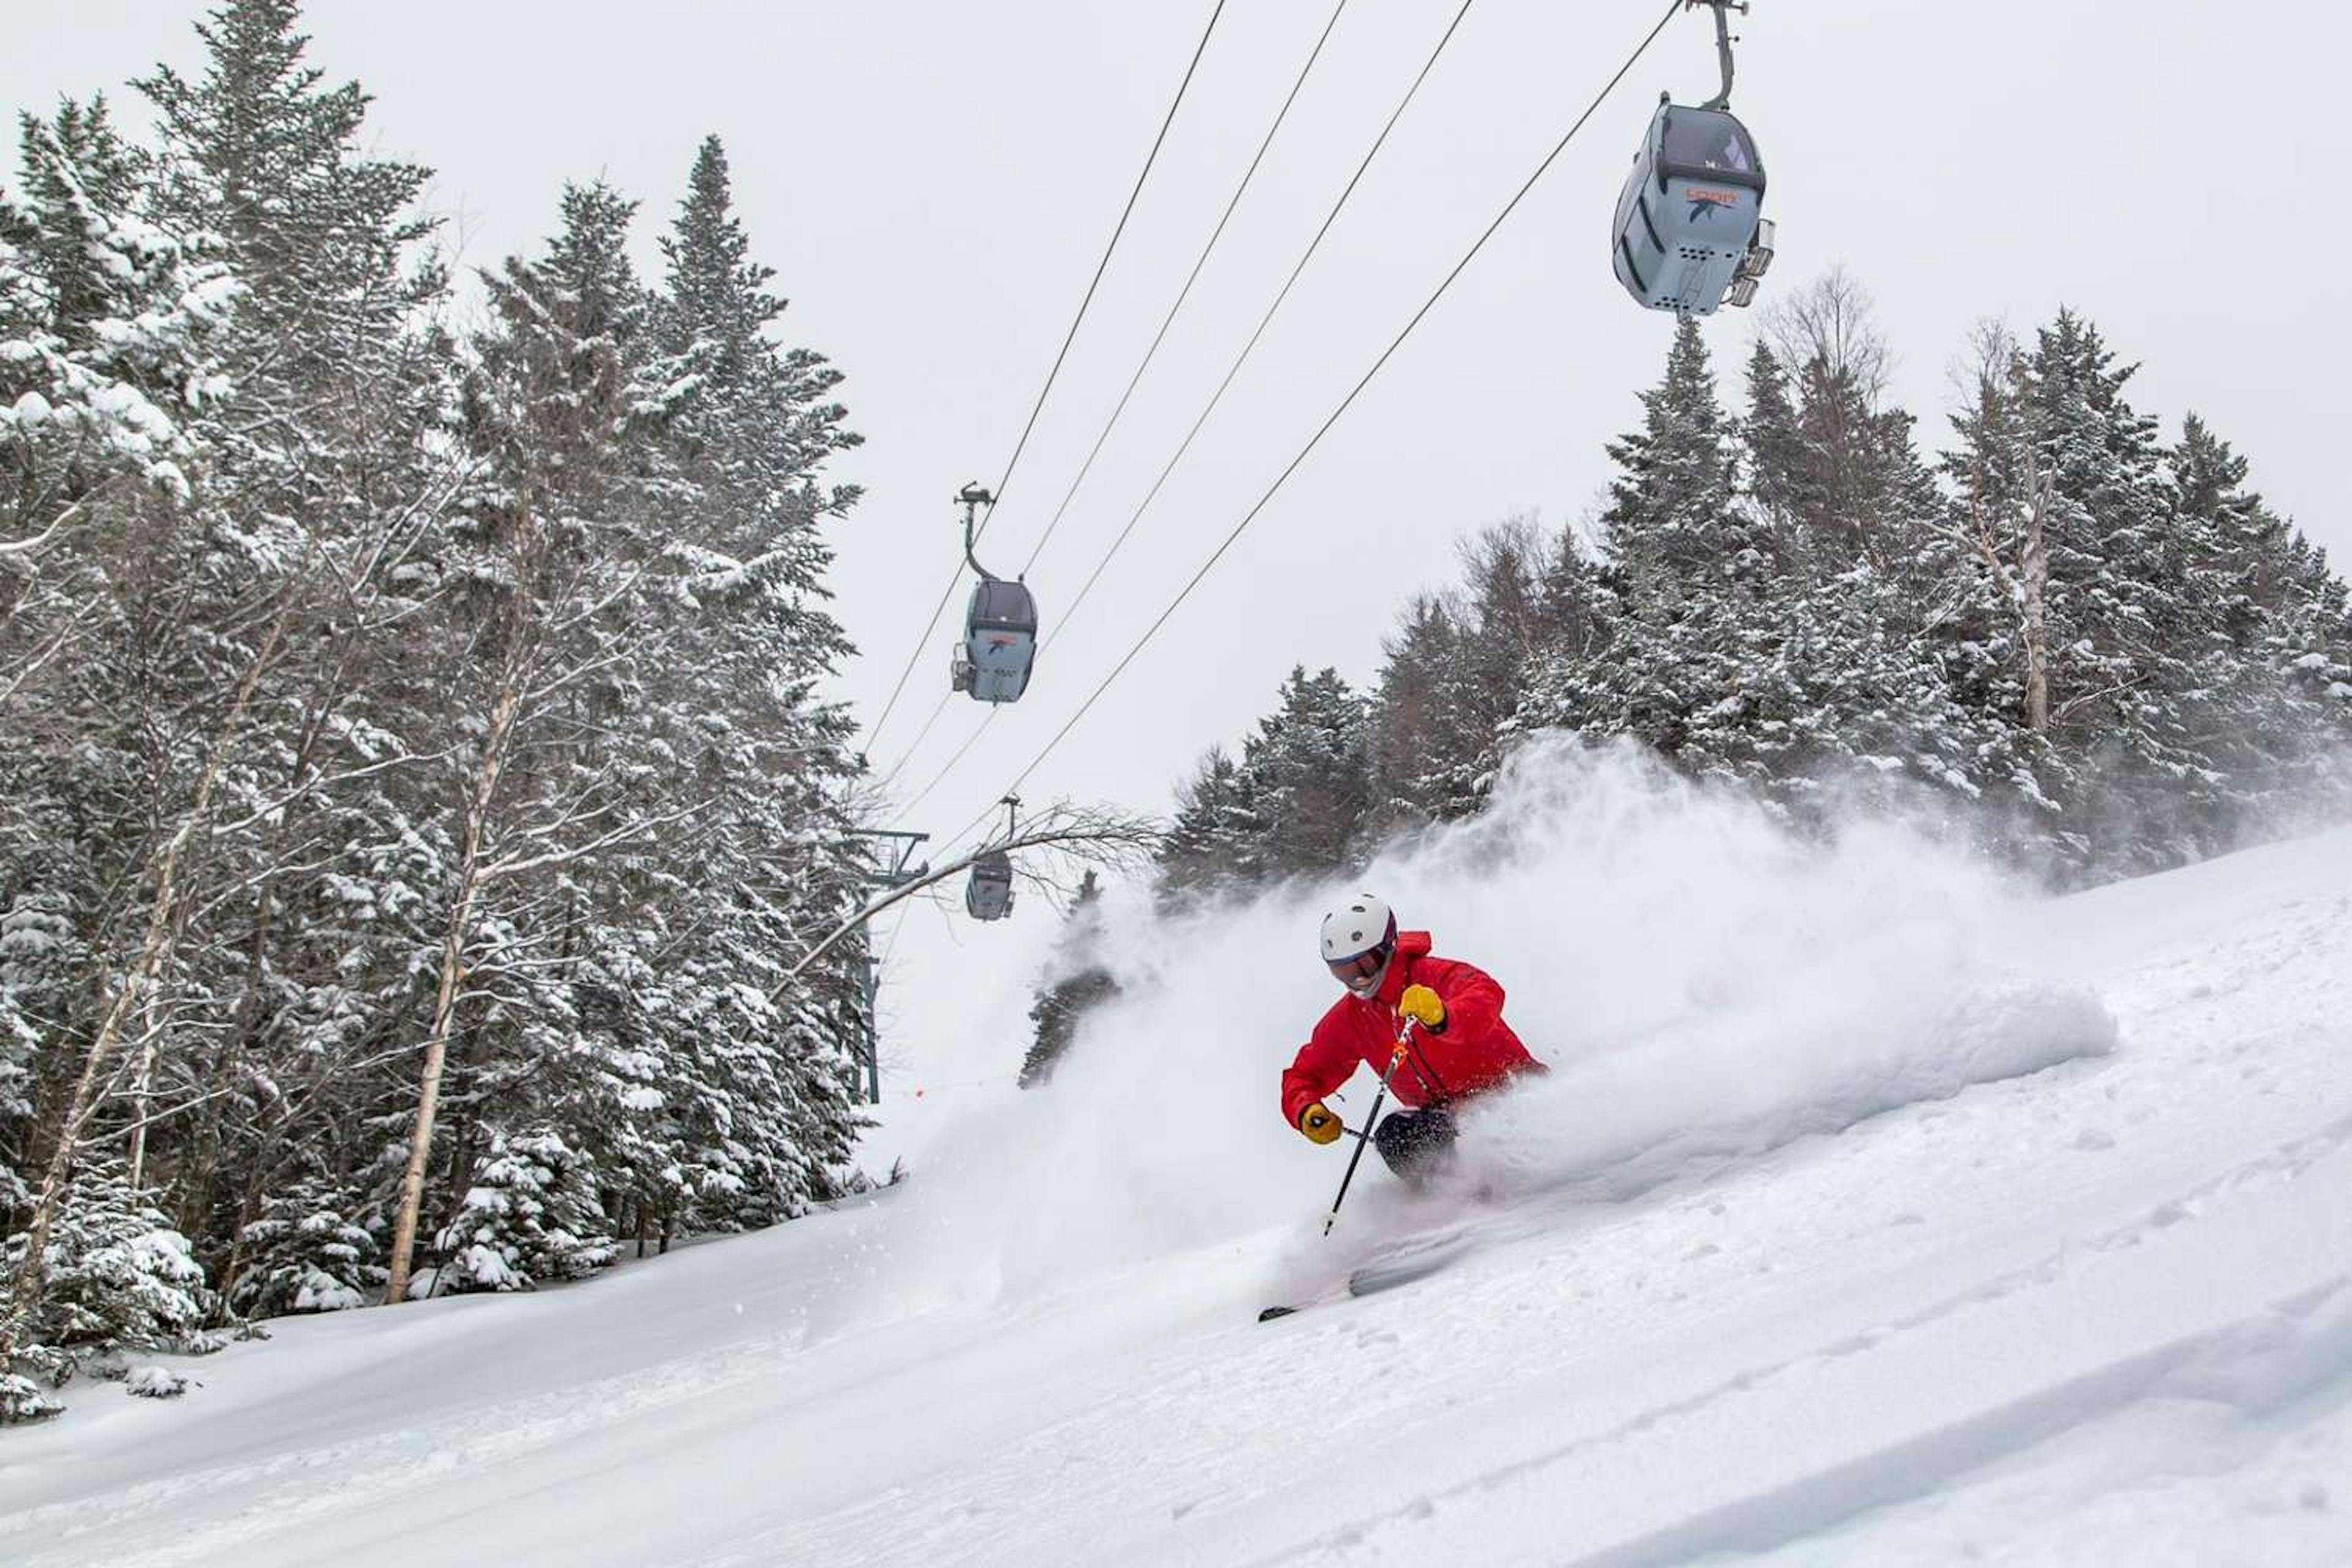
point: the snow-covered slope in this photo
(1871, 1216)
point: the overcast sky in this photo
(933, 181)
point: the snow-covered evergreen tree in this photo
(1297, 803)
(1210, 849)
(302, 1255)
(1408, 710)
(2121, 626)
(1459, 670)
(1309, 772)
(1844, 685)
(110, 332)
(1076, 982)
(2267, 676)
(360, 685)
(530, 1219)
(1689, 572)
(772, 757)
(119, 1276)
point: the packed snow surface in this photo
(1873, 1213)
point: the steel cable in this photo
(1068, 338)
(1323, 429)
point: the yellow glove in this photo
(1320, 1125)
(1423, 1007)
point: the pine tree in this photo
(753, 435)
(303, 1255)
(1296, 804)
(1688, 572)
(1779, 469)
(2116, 567)
(110, 336)
(118, 1278)
(360, 676)
(558, 561)
(1212, 847)
(1076, 983)
(2264, 682)
(126, 697)
(530, 1219)
(316, 432)
(2063, 499)
(1408, 710)
(1844, 687)
(1670, 517)
(1308, 768)
(260, 153)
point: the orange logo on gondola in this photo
(1704, 203)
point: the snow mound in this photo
(154, 1382)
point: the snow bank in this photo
(1703, 984)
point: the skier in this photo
(1459, 1046)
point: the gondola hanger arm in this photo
(1722, 9)
(972, 496)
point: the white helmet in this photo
(1358, 937)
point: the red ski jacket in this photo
(1474, 1052)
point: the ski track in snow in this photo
(2099, 1313)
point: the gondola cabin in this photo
(1000, 642)
(1691, 234)
(988, 896)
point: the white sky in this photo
(934, 180)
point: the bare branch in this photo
(507, 866)
(26, 546)
(34, 661)
(1100, 836)
(2084, 699)
(1832, 322)
(225, 829)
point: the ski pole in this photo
(1370, 1122)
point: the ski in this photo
(1404, 1268)
(1389, 1273)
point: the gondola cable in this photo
(950, 766)
(914, 745)
(1264, 320)
(1071, 336)
(1297, 269)
(1167, 321)
(1186, 291)
(1323, 429)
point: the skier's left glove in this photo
(1423, 1007)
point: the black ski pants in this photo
(1415, 1143)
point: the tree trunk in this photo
(452, 978)
(133, 999)
(2034, 611)
(200, 1172)
(142, 1089)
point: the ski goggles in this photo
(1362, 967)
